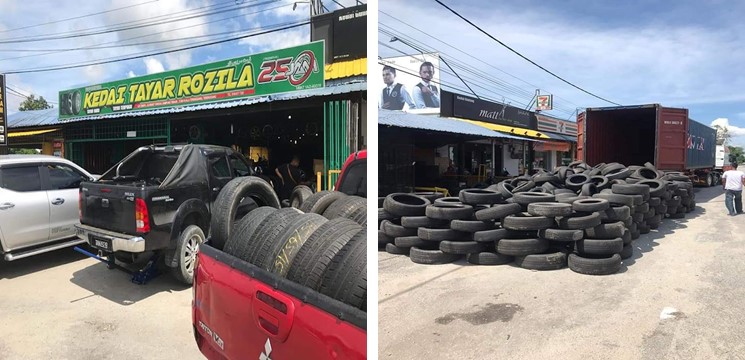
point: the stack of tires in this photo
(331, 204)
(323, 248)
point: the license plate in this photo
(100, 243)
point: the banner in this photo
(410, 82)
(279, 71)
(3, 114)
(475, 109)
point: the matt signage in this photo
(475, 109)
(280, 71)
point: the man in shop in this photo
(732, 182)
(426, 94)
(394, 94)
(289, 177)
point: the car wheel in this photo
(187, 249)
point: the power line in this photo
(104, 45)
(132, 27)
(522, 56)
(21, 95)
(77, 17)
(64, 67)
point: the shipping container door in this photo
(581, 136)
(671, 146)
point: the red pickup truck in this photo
(242, 311)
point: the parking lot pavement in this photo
(679, 297)
(63, 305)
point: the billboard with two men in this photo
(410, 82)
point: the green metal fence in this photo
(337, 116)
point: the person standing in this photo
(394, 94)
(425, 94)
(289, 177)
(732, 181)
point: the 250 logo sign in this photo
(295, 70)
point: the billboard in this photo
(410, 82)
(3, 114)
(468, 107)
(279, 71)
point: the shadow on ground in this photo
(116, 285)
(32, 264)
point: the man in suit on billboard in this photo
(394, 94)
(425, 94)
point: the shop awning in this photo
(436, 123)
(552, 146)
(561, 137)
(29, 133)
(344, 69)
(517, 131)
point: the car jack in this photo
(141, 276)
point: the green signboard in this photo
(280, 71)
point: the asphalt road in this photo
(680, 296)
(63, 305)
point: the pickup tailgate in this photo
(243, 312)
(108, 206)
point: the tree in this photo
(723, 134)
(22, 151)
(32, 103)
(736, 154)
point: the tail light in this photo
(142, 220)
(80, 204)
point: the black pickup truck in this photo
(158, 202)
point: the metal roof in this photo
(344, 69)
(560, 137)
(33, 118)
(436, 123)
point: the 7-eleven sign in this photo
(544, 102)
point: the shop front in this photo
(561, 149)
(269, 106)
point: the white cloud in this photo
(131, 74)
(733, 130)
(153, 65)
(278, 40)
(94, 73)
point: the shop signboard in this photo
(410, 82)
(468, 107)
(279, 71)
(3, 114)
(544, 102)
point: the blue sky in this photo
(240, 15)
(676, 53)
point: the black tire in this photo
(576, 181)
(384, 215)
(299, 194)
(558, 192)
(522, 186)
(601, 182)
(616, 199)
(395, 250)
(526, 222)
(431, 196)
(646, 173)
(423, 221)
(471, 226)
(561, 235)
(320, 201)
(588, 189)
(380, 202)
(649, 214)
(594, 266)
(498, 212)
(599, 247)
(619, 175)
(526, 198)
(489, 258)
(627, 252)
(618, 213)
(446, 201)
(239, 239)
(505, 189)
(645, 229)
(606, 231)
(522, 247)
(612, 168)
(266, 234)
(410, 241)
(383, 239)
(656, 187)
(675, 216)
(549, 209)
(551, 261)
(225, 207)
(359, 215)
(442, 234)
(450, 212)
(395, 231)
(579, 221)
(637, 217)
(638, 199)
(626, 237)
(462, 247)
(187, 248)
(490, 235)
(630, 189)
(570, 199)
(479, 196)
(286, 245)
(590, 205)
(345, 207)
(345, 279)
(402, 204)
(540, 179)
(431, 257)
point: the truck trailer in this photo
(663, 136)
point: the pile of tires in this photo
(330, 204)
(321, 245)
(578, 216)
